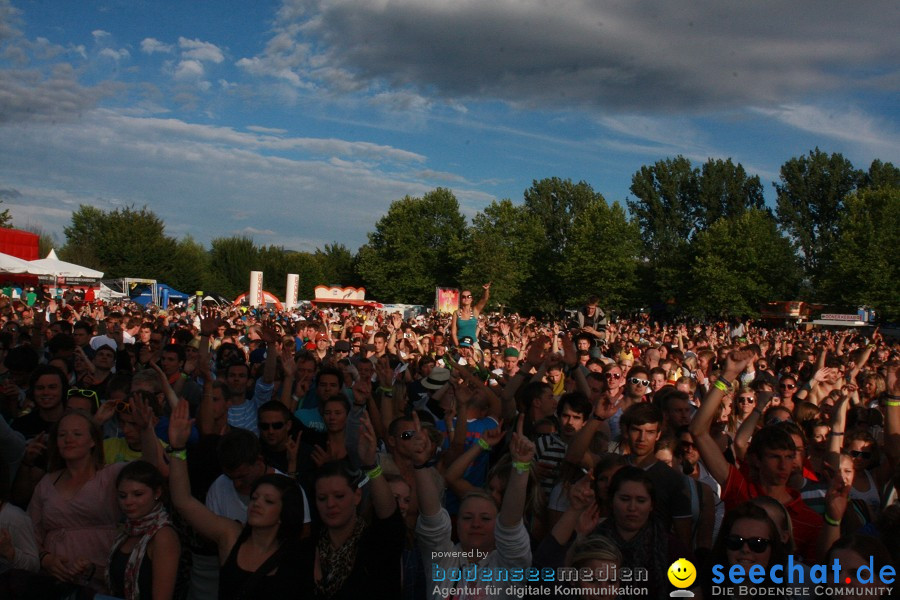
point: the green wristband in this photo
(521, 467)
(484, 445)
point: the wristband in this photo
(521, 467)
(725, 382)
(386, 390)
(893, 397)
(484, 445)
(720, 385)
(832, 522)
(425, 465)
(180, 454)
(596, 418)
(892, 402)
(373, 473)
(170, 448)
(837, 433)
(368, 467)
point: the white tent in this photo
(12, 264)
(61, 268)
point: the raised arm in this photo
(204, 521)
(382, 497)
(702, 422)
(521, 450)
(484, 299)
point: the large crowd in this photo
(344, 452)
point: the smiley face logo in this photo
(682, 573)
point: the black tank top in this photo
(238, 584)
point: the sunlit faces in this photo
(73, 438)
(725, 408)
(615, 379)
(631, 506)
(475, 524)
(137, 499)
(48, 392)
(820, 436)
(554, 375)
(264, 508)
(688, 449)
(847, 470)
(657, 381)
(750, 529)
(336, 501)
(642, 438)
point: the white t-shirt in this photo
(224, 500)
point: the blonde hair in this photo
(593, 547)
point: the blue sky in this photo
(298, 122)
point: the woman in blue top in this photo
(465, 319)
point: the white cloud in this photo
(201, 51)
(151, 45)
(99, 34)
(115, 55)
(189, 69)
(845, 123)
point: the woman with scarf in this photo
(645, 542)
(350, 557)
(144, 558)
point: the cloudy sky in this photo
(298, 122)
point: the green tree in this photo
(864, 268)
(418, 245)
(724, 190)
(882, 175)
(337, 265)
(126, 242)
(555, 203)
(230, 261)
(603, 257)
(673, 201)
(739, 263)
(190, 266)
(502, 250)
(811, 196)
(5, 218)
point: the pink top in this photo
(83, 527)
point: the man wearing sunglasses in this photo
(770, 456)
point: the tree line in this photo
(691, 239)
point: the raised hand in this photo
(736, 362)
(521, 448)
(368, 442)
(179, 425)
(493, 436)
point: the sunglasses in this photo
(615, 376)
(757, 544)
(123, 407)
(466, 296)
(746, 400)
(89, 394)
(636, 381)
(688, 445)
(864, 454)
(274, 426)
(408, 435)
(787, 386)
